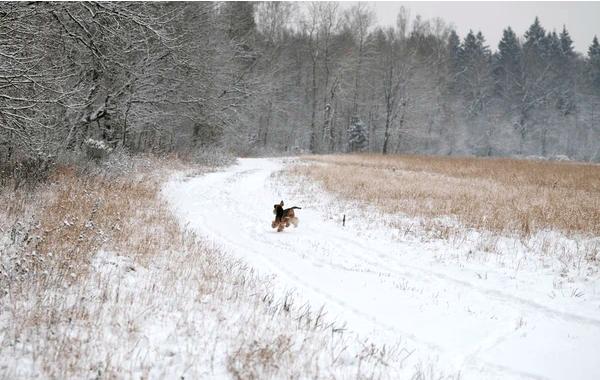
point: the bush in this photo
(28, 171)
(358, 139)
(96, 149)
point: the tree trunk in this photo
(543, 150)
(313, 127)
(400, 126)
(386, 134)
(326, 127)
(267, 124)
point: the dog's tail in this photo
(299, 208)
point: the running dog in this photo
(283, 217)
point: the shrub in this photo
(96, 149)
(28, 171)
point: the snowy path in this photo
(484, 326)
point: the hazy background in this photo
(581, 18)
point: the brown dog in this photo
(283, 217)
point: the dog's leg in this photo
(274, 224)
(281, 227)
(295, 221)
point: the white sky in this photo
(581, 18)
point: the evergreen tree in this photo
(476, 77)
(594, 56)
(454, 51)
(482, 47)
(536, 43)
(470, 48)
(594, 50)
(357, 135)
(566, 43)
(562, 56)
(535, 35)
(507, 68)
(509, 49)
(553, 50)
(540, 51)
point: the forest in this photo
(84, 79)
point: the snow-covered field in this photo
(456, 309)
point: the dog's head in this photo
(278, 209)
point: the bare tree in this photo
(396, 71)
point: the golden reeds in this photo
(499, 195)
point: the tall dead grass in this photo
(499, 195)
(60, 226)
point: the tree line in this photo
(259, 78)
(418, 87)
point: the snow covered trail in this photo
(499, 325)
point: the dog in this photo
(283, 217)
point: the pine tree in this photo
(553, 50)
(509, 49)
(482, 47)
(540, 52)
(454, 51)
(507, 68)
(535, 39)
(357, 135)
(561, 57)
(594, 50)
(476, 78)
(566, 43)
(594, 56)
(470, 47)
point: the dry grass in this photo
(498, 195)
(101, 281)
(77, 213)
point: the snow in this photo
(481, 315)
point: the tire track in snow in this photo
(497, 294)
(277, 267)
(280, 269)
(344, 239)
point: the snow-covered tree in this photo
(566, 43)
(454, 54)
(357, 136)
(476, 80)
(594, 59)
(508, 64)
